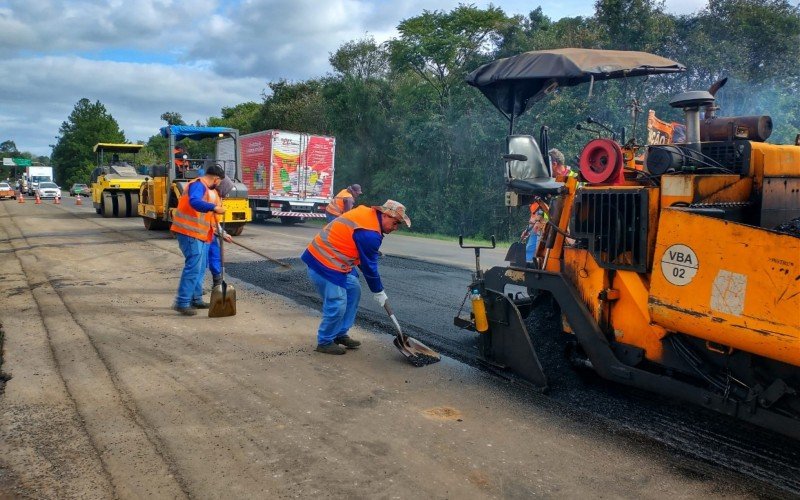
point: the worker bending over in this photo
(214, 253)
(350, 240)
(194, 224)
(343, 202)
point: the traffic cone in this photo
(38, 200)
(21, 198)
(57, 200)
(78, 200)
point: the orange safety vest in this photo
(336, 206)
(334, 246)
(180, 162)
(186, 220)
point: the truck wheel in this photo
(234, 229)
(288, 221)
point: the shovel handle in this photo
(271, 259)
(395, 322)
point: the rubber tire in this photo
(123, 205)
(234, 229)
(107, 205)
(289, 221)
(154, 224)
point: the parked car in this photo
(48, 190)
(79, 189)
(6, 191)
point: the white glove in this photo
(381, 298)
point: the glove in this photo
(381, 298)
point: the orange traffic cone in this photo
(57, 200)
(21, 198)
(38, 200)
(78, 200)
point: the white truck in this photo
(288, 174)
(37, 174)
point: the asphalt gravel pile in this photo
(425, 298)
(792, 227)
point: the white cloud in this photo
(143, 57)
(36, 102)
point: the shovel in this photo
(223, 296)
(271, 259)
(417, 353)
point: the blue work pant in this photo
(530, 247)
(329, 218)
(339, 306)
(214, 257)
(195, 254)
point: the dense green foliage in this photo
(409, 128)
(87, 125)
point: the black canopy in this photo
(515, 83)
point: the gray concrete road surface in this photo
(114, 395)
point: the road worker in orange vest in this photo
(343, 202)
(194, 224)
(353, 239)
(181, 160)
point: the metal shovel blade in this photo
(417, 353)
(223, 301)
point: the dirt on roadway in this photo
(114, 395)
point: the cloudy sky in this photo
(141, 58)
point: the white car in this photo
(48, 190)
(6, 191)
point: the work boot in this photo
(186, 311)
(346, 341)
(217, 280)
(200, 304)
(330, 349)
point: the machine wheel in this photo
(132, 199)
(123, 205)
(154, 224)
(108, 205)
(234, 229)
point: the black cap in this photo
(216, 170)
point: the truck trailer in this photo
(288, 175)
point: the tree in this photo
(437, 45)
(293, 106)
(8, 147)
(88, 124)
(633, 24)
(242, 117)
(361, 59)
(172, 118)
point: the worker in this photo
(181, 159)
(352, 239)
(559, 168)
(535, 228)
(214, 254)
(194, 223)
(343, 202)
